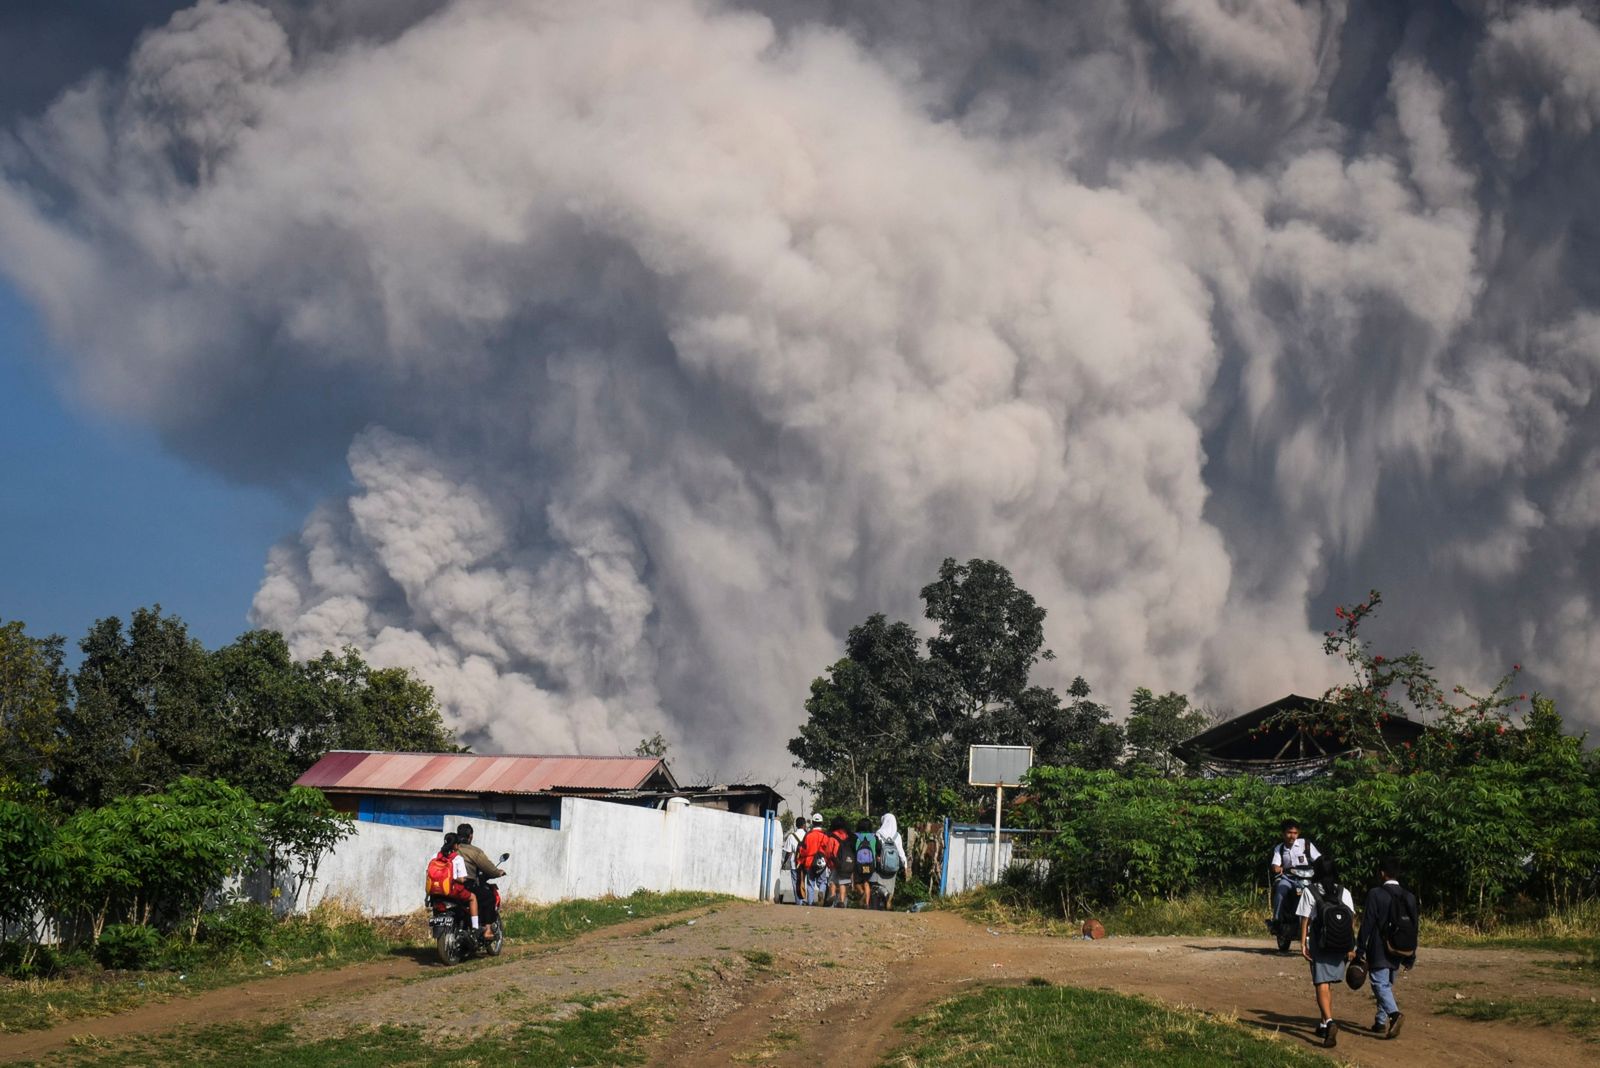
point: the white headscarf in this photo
(888, 831)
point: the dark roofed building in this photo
(1279, 750)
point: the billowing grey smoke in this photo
(666, 339)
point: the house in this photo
(1263, 744)
(420, 789)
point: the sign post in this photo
(998, 766)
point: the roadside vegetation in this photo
(1016, 1026)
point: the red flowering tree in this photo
(1462, 726)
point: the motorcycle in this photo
(450, 923)
(1285, 924)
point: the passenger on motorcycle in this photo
(479, 868)
(1292, 852)
(447, 878)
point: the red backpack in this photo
(439, 874)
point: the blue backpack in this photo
(888, 858)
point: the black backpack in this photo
(1399, 926)
(1334, 924)
(844, 862)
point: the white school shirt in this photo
(458, 868)
(1300, 855)
(1308, 903)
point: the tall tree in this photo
(991, 632)
(888, 726)
(1157, 724)
(143, 713)
(867, 734)
(33, 694)
(363, 707)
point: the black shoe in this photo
(1380, 1027)
(1330, 1034)
(1394, 1027)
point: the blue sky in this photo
(97, 519)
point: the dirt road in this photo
(763, 984)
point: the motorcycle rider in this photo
(479, 868)
(1292, 852)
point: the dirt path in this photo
(280, 995)
(1227, 976)
(766, 985)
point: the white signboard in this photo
(998, 765)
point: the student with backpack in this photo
(815, 866)
(1327, 939)
(1388, 941)
(791, 858)
(446, 878)
(891, 863)
(843, 855)
(865, 845)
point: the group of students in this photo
(830, 867)
(1340, 948)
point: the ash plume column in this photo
(664, 340)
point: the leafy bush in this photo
(129, 946)
(238, 925)
(1472, 840)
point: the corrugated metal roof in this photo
(471, 773)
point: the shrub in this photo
(129, 946)
(239, 925)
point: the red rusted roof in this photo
(471, 773)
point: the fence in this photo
(969, 850)
(601, 848)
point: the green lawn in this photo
(1012, 1027)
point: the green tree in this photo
(653, 746)
(299, 830)
(991, 634)
(272, 722)
(33, 695)
(143, 713)
(358, 706)
(867, 734)
(1156, 725)
(29, 870)
(887, 726)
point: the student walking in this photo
(814, 865)
(891, 861)
(843, 857)
(1327, 939)
(1388, 941)
(791, 858)
(865, 845)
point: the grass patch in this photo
(591, 1037)
(1242, 914)
(758, 958)
(1008, 1027)
(568, 919)
(1239, 915)
(1581, 1016)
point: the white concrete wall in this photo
(601, 848)
(379, 869)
